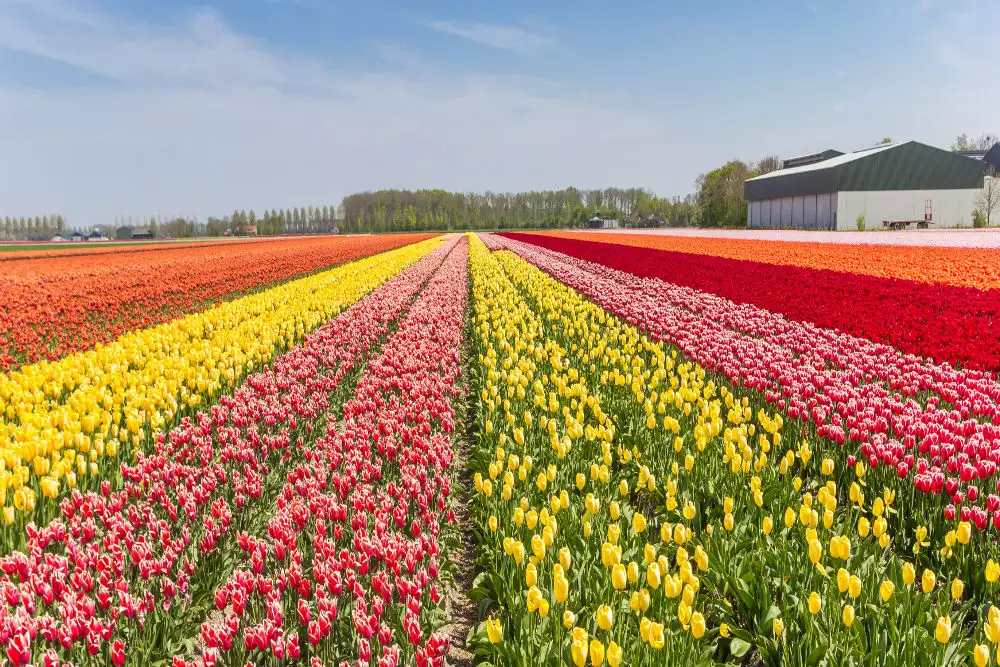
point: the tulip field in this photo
(630, 449)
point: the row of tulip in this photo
(61, 421)
(946, 323)
(961, 267)
(634, 508)
(126, 575)
(929, 424)
(349, 568)
(59, 305)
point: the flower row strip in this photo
(57, 306)
(945, 323)
(349, 567)
(660, 520)
(977, 268)
(844, 388)
(68, 424)
(132, 568)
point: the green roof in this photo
(905, 166)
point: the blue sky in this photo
(134, 107)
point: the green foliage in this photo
(720, 195)
(861, 222)
(405, 210)
(978, 219)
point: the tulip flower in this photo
(927, 581)
(605, 617)
(942, 631)
(847, 615)
(596, 653)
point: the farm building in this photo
(597, 222)
(893, 183)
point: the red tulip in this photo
(118, 653)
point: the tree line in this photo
(28, 228)
(405, 210)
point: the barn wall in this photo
(950, 208)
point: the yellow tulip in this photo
(560, 587)
(565, 558)
(843, 580)
(614, 654)
(957, 587)
(992, 571)
(767, 526)
(568, 619)
(815, 551)
(991, 628)
(494, 630)
(596, 653)
(886, 589)
(653, 576)
(909, 574)
(964, 532)
(942, 631)
(854, 587)
(815, 603)
(981, 655)
(656, 637)
(927, 581)
(619, 579)
(531, 575)
(778, 627)
(847, 615)
(605, 617)
(701, 558)
(580, 650)
(697, 625)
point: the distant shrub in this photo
(978, 219)
(861, 222)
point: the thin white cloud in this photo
(507, 38)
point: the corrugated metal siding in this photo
(809, 217)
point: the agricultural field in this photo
(556, 448)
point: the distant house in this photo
(142, 233)
(77, 236)
(597, 222)
(96, 236)
(992, 157)
(124, 233)
(61, 237)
